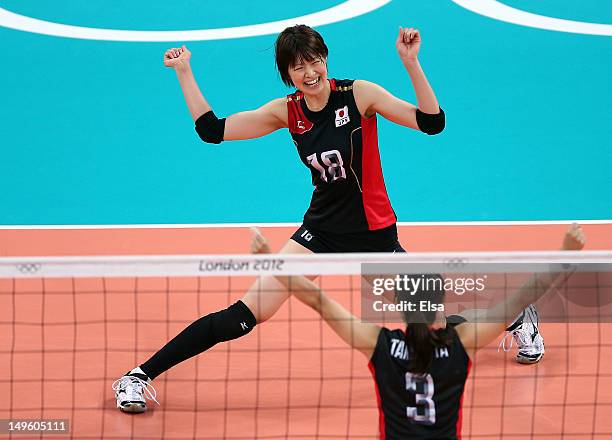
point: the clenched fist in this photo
(408, 43)
(177, 57)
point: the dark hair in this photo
(421, 340)
(296, 43)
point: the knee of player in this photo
(235, 321)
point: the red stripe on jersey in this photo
(459, 416)
(332, 84)
(381, 414)
(297, 120)
(376, 204)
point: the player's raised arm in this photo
(211, 129)
(359, 335)
(477, 335)
(371, 98)
(178, 58)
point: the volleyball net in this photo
(70, 326)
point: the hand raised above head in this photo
(176, 56)
(408, 43)
(574, 239)
(259, 243)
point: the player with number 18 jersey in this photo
(340, 147)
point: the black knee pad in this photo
(231, 323)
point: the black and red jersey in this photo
(415, 406)
(340, 148)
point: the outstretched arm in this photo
(371, 98)
(408, 44)
(244, 125)
(178, 58)
(359, 335)
(477, 335)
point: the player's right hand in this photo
(259, 243)
(574, 239)
(177, 56)
(408, 44)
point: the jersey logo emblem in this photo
(306, 235)
(301, 126)
(244, 326)
(342, 116)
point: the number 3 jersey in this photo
(340, 148)
(415, 406)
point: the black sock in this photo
(235, 321)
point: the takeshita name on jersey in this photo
(399, 350)
(245, 265)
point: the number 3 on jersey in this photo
(333, 161)
(422, 387)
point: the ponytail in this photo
(421, 342)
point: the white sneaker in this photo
(530, 343)
(527, 336)
(131, 392)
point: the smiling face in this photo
(309, 76)
(301, 58)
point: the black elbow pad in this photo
(210, 128)
(429, 123)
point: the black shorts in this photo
(320, 242)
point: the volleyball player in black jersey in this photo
(333, 125)
(420, 372)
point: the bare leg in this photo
(267, 295)
(261, 301)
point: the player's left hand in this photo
(408, 44)
(259, 243)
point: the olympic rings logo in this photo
(29, 268)
(341, 12)
(455, 263)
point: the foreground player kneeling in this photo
(420, 372)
